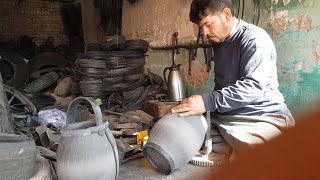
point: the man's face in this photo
(215, 27)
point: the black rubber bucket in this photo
(87, 149)
(174, 141)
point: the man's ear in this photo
(227, 13)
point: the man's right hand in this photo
(190, 106)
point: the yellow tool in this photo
(142, 137)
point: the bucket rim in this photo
(162, 152)
(74, 129)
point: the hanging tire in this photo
(41, 83)
(17, 157)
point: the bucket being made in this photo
(87, 149)
(174, 141)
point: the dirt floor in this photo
(140, 169)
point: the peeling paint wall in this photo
(293, 25)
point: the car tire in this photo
(41, 83)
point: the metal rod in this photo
(198, 42)
(184, 46)
(208, 140)
(242, 9)
(238, 9)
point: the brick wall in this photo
(36, 18)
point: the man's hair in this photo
(202, 8)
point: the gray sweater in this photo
(246, 75)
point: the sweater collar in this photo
(234, 28)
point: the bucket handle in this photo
(75, 103)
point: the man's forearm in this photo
(238, 95)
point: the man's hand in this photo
(190, 106)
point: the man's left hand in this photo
(190, 106)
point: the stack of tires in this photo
(32, 75)
(35, 76)
(118, 66)
(44, 71)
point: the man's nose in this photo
(205, 32)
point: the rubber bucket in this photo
(87, 149)
(174, 141)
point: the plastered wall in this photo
(156, 21)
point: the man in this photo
(249, 109)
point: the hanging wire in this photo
(238, 12)
(243, 5)
(256, 12)
(111, 15)
(240, 5)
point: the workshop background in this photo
(292, 24)
(54, 52)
